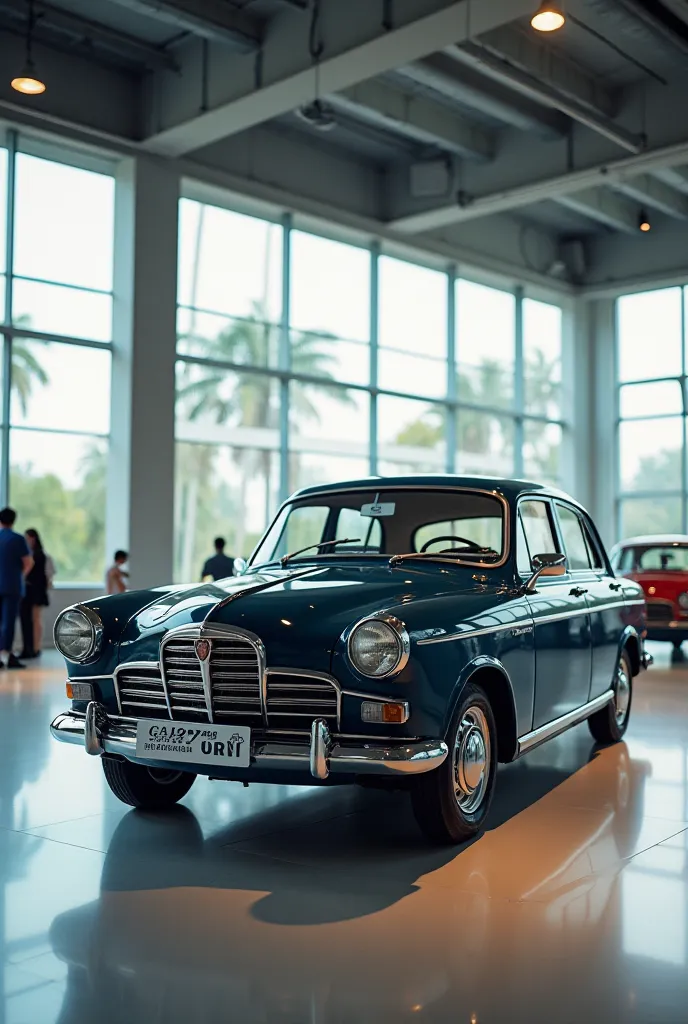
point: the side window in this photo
(537, 525)
(522, 553)
(574, 539)
(350, 523)
(596, 557)
(626, 560)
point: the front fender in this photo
(631, 639)
(492, 676)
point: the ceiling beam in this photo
(546, 88)
(416, 117)
(82, 32)
(354, 55)
(662, 22)
(677, 177)
(648, 191)
(210, 19)
(554, 187)
(464, 85)
(604, 206)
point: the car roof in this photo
(509, 488)
(653, 539)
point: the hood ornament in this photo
(202, 649)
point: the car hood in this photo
(300, 612)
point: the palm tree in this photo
(26, 369)
(246, 399)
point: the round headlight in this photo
(78, 633)
(683, 601)
(379, 647)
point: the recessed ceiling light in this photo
(548, 18)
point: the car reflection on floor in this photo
(348, 920)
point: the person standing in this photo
(116, 577)
(15, 563)
(219, 566)
(37, 583)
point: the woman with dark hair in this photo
(36, 585)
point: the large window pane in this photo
(60, 387)
(398, 371)
(58, 310)
(220, 491)
(330, 287)
(651, 454)
(413, 308)
(641, 516)
(649, 334)
(225, 406)
(542, 451)
(329, 419)
(658, 398)
(58, 485)
(411, 436)
(3, 211)
(332, 358)
(485, 443)
(485, 344)
(229, 263)
(306, 469)
(542, 358)
(249, 341)
(64, 223)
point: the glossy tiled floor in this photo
(300, 906)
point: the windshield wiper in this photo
(323, 544)
(438, 556)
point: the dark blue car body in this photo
(543, 658)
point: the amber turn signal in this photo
(79, 691)
(390, 714)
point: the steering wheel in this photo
(464, 541)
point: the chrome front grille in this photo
(140, 691)
(235, 680)
(294, 700)
(659, 611)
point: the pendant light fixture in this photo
(27, 81)
(548, 18)
(644, 221)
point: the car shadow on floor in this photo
(335, 857)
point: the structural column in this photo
(602, 452)
(140, 508)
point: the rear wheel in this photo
(610, 723)
(150, 788)
(452, 802)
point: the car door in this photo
(563, 658)
(606, 602)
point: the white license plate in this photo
(162, 740)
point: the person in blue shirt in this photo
(15, 563)
(220, 565)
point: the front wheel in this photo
(150, 788)
(452, 802)
(610, 723)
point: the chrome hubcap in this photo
(622, 696)
(471, 760)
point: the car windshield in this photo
(462, 525)
(660, 558)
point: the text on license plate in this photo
(162, 740)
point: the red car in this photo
(660, 565)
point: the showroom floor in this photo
(303, 906)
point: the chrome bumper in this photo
(100, 734)
(646, 660)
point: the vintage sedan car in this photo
(660, 565)
(409, 631)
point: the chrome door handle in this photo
(577, 592)
(615, 586)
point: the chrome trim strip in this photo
(506, 527)
(536, 620)
(551, 729)
(375, 757)
(207, 685)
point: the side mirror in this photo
(549, 564)
(239, 566)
